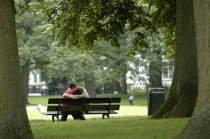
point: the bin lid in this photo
(156, 90)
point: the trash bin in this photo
(155, 98)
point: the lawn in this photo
(115, 128)
(131, 122)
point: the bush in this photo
(137, 90)
(167, 87)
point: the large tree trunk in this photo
(198, 126)
(25, 74)
(183, 93)
(90, 87)
(14, 123)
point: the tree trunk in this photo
(14, 123)
(183, 93)
(90, 87)
(155, 71)
(198, 126)
(25, 74)
(116, 86)
(124, 84)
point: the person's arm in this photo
(74, 96)
(85, 93)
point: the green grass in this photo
(131, 122)
(115, 128)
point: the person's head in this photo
(78, 90)
(73, 85)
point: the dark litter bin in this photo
(155, 98)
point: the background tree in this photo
(33, 45)
(154, 60)
(107, 19)
(72, 67)
(12, 106)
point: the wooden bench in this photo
(104, 106)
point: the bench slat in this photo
(102, 112)
(83, 100)
(83, 108)
(89, 112)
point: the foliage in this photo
(98, 20)
(167, 87)
(136, 90)
(70, 67)
(107, 20)
(163, 16)
(32, 42)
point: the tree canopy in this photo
(91, 20)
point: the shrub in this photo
(167, 87)
(137, 90)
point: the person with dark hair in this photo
(83, 94)
(78, 92)
(64, 115)
(70, 89)
(74, 92)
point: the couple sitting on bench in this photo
(74, 92)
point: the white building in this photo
(35, 82)
(141, 79)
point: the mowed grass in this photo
(131, 122)
(115, 128)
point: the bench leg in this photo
(57, 116)
(104, 115)
(53, 118)
(107, 116)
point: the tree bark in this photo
(14, 123)
(116, 86)
(124, 84)
(124, 78)
(184, 88)
(90, 87)
(198, 126)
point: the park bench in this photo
(104, 106)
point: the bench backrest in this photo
(84, 104)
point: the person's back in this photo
(69, 91)
(131, 99)
(83, 94)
